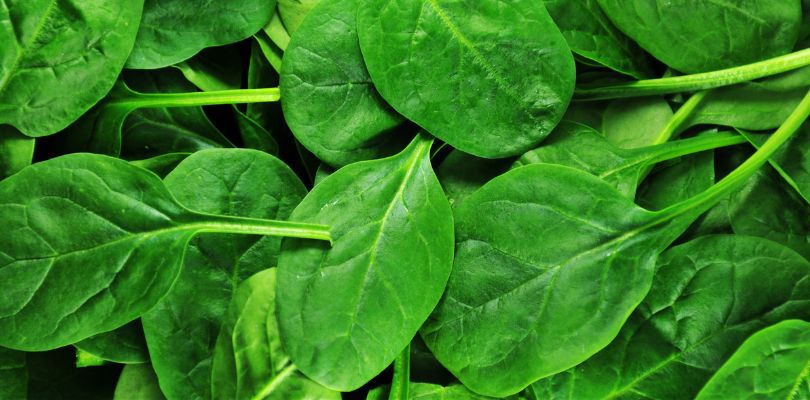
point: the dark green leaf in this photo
(707, 297)
(16, 151)
(774, 363)
(346, 311)
(181, 330)
(138, 382)
(449, 66)
(125, 345)
(13, 374)
(708, 35)
(80, 210)
(58, 58)
(174, 30)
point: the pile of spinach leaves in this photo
(404, 199)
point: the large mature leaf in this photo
(13, 374)
(16, 151)
(182, 329)
(707, 297)
(138, 382)
(58, 58)
(541, 281)
(125, 345)
(773, 363)
(701, 36)
(249, 362)
(346, 311)
(63, 215)
(174, 30)
(327, 96)
(449, 66)
(590, 34)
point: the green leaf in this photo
(249, 362)
(462, 174)
(758, 105)
(13, 374)
(16, 151)
(345, 312)
(133, 233)
(591, 35)
(58, 58)
(708, 35)
(766, 207)
(125, 345)
(449, 66)
(629, 123)
(138, 382)
(512, 296)
(161, 165)
(677, 181)
(181, 330)
(173, 30)
(707, 297)
(773, 363)
(276, 31)
(578, 146)
(327, 96)
(254, 136)
(293, 12)
(791, 161)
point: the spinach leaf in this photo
(249, 361)
(766, 207)
(708, 295)
(448, 65)
(676, 33)
(138, 382)
(13, 374)
(133, 232)
(427, 391)
(327, 96)
(346, 311)
(125, 345)
(215, 68)
(772, 363)
(629, 123)
(591, 35)
(161, 165)
(581, 147)
(16, 151)
(791, 161)
(276, 31)
(59, 58)
(293, 12)
(677, 182)
(182, 328)
(757, 105)
(462, 174)
(175, 30)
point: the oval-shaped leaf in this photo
(63, 215)
(174, 30)
(773, 363)
(345, 312)
(58, 58)
(449, 66)
(707, 297)
(541, 281)
(702, 36)
(327, 96)
(181, 330)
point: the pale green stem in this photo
(737, 177)
(680, 118)
(255, 226)
(694, 82)
(218, 97)
(274, 383)
(402, 376)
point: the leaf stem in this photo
(701, 81)
(733, 180)
(402, 375)
(680, 118)
(255, 226)
(217, 97)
